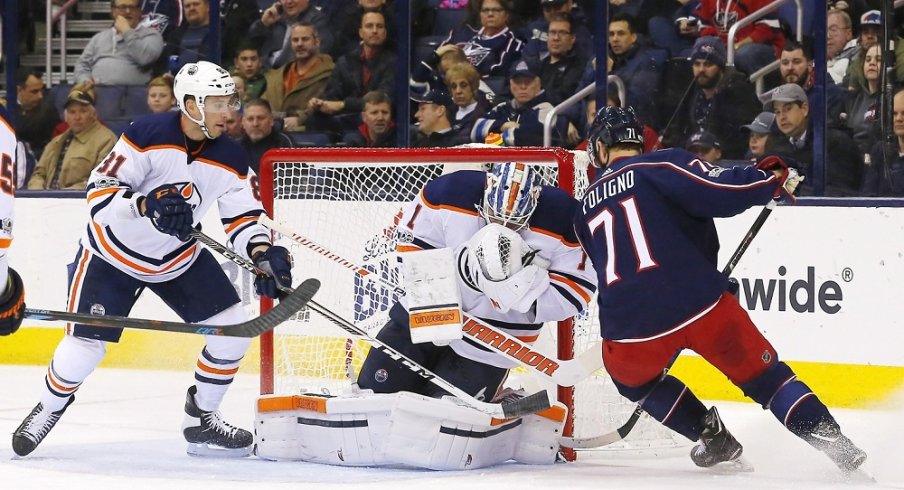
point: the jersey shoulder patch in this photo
(462, 189)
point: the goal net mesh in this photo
(345, 205)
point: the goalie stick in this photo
(561, 372)
(625, 429)
(506, 410)
(287, 307)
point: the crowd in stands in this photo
(322, 72)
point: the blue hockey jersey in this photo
(647, 225)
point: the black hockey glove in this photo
(12, 304)
(277, 263)
(169, 211)
(733, 286)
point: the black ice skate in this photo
(828, 438)
(717, 445)
(35, 427)
(209, 435)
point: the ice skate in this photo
(829, 439)
(35, 427)
(209, 435)
(717, 448)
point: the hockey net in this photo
(347, 203)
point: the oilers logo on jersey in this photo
(191, 194)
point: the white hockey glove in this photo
(498, 250)
(518, 292)
(793, 179)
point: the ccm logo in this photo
(509, 347)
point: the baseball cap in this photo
(762, 124)
(522, 69)
(711, 49)
(704, 139)
(871, 18)
(438, 97)
(789, 92)
(79, 96)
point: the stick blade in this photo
(603, 439)
(288, 306)
(526, 406)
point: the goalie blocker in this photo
(367, 429)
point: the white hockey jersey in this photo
(153, 152)
(7, 181)
(445, 215)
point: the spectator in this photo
(879, 178)
(841, 45)
(69, 158)
(234, 127)
(562, 67)
(789, 102)
(463, 83)
(248, 66)
(434, 128)
(494, 48)
(237, 17)
(863, 110)
(241, 89)
(796, 66)
(870, 32)
(678, 32)
(377, 129)
(291, 87)
(257, 123)
(520, 121)
(720, 101)
(638, 66)
(428, 75)
(37, 117)
(371, 67)
(705, 145)
(160, 95)
(271, 30)
(164, 16)
(123, 54)
(761, 130)
(347, 38)
(537, 35)
(757, 44)
(189, 41)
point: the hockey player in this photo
(12, 291)
(466, 211)
(648, 229)
(144, 198)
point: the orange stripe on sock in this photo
(58, 386)
(224, 372)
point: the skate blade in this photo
(208, 451)
(737, 465)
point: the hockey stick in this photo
(517, 408)
(287, 307)
(561, 372)
(622, 432)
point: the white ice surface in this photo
(123, 433)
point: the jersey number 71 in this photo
(606, 220)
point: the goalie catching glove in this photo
(277, 263)
(493, 262)
(169, 211)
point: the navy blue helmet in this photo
(614, 125)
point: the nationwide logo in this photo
(803, 295)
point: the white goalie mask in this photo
(511, 195)
(202, 80)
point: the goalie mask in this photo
(511, 194)
(202, 80)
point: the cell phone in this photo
(692, 22)
(279, 8)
